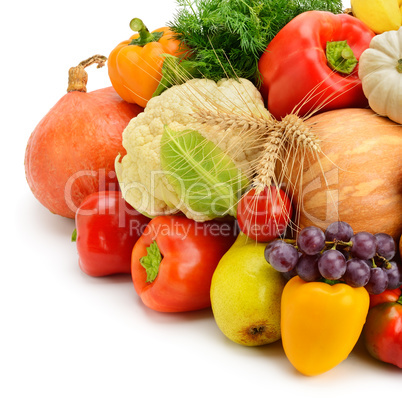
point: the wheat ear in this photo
(297, 132)
(272, 152)
(286, 136)
(225, 121)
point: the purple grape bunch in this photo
(338, 255)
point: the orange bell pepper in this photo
(135, 65)
(321, 323)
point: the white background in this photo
(68, 337)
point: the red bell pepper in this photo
(106, 230)
(174, 260)
(382, 332)
(313, 61)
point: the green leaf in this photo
(203, 176)
(151, 261)
(175, 72)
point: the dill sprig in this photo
(227, 37)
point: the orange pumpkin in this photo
(362, 161)
(71, 152)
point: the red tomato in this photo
(264, 216)
(174, 260)
(107, 229)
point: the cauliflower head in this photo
(143, 183)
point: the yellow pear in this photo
(379, 15)
(246, 295)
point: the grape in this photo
(357, 273)
(339, 231)
(332, 264)
(269, 246)
(364, 245)
(394, 276)
(307, 268)
(290, 274)
(282, 256)
(311, 240)
(378, 281)
(386, 246)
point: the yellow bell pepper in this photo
(321, 323)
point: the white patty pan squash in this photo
(380, 70)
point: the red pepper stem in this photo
(340, 57)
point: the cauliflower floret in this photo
(141, 179)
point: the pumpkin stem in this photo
(78, 77)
